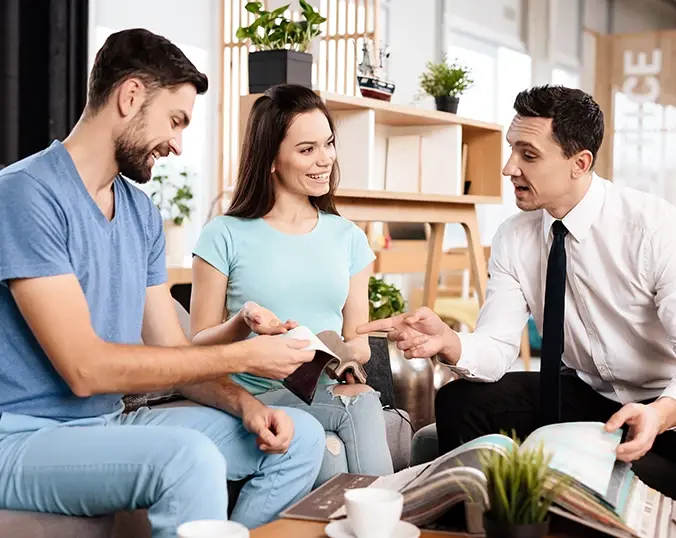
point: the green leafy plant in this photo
(171, 199)
(385, 300)
(443, 79)
(271, 30)
(521, 485)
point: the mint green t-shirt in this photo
(303, 277)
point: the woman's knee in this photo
(350, 390)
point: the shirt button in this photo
(590, 332)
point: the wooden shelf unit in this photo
(404, 149)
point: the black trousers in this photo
(466, 410)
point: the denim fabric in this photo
(172, 461)
(356, 440)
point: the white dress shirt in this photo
(620, 306)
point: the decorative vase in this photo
(446, 103)
(502, 529)
(413, 386)
(174, 236)
(269, 68)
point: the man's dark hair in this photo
(577, 120)
(139, 53)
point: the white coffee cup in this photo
(373, 512)
(212, 528)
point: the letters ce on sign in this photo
(633, 71)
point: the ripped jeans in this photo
(355, 430)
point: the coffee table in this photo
(292, 528)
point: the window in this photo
(499, 73)
(565, 77)
(643, 138)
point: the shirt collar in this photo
(579, 220)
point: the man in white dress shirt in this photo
(618, 271)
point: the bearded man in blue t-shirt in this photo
(86, 316)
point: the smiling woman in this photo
(283, 252)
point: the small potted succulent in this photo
(281, 45)
(521, 488)
(445, 82)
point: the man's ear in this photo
(582, 163)
(130, 96)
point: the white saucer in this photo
(342, 529)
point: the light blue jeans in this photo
(356, 440)
(170, 460)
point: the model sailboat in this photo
(369, 75)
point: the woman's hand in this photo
(261, 321)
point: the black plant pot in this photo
(446, 103)
(269, 68)
(500, 529)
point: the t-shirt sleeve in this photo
(157, 260)
(361, 254)
(33, 230)
(215, 245)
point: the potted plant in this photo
(281, 45)
(172, 197)
(385, 300)
(521, 488)
(445, 82)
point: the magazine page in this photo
(467, 455)
(303, 333)
(583, 451)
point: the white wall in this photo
(633, 16)
(500, 21)
(194, 27)
(413, 38)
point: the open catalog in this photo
(332, 355)
(598, 491)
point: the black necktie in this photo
(552, 328)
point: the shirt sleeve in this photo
(157, 260)
(33, 230)
(361, 254)
(215, 245)
(489, 352)
(659, 262)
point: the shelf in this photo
(402, 115)
(401, 150)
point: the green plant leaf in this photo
(254, 7)
(243, 33)
(444, 79)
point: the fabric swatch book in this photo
(601, 493)
(332, 355)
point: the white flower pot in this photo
(175, 244)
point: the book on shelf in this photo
(332, 355)
(599, 492)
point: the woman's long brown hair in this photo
(268, 122)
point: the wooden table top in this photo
(283, 528)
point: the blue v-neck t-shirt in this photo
(50, 225)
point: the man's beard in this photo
(132, 157)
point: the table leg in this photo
(434, 246)
(476, 252)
